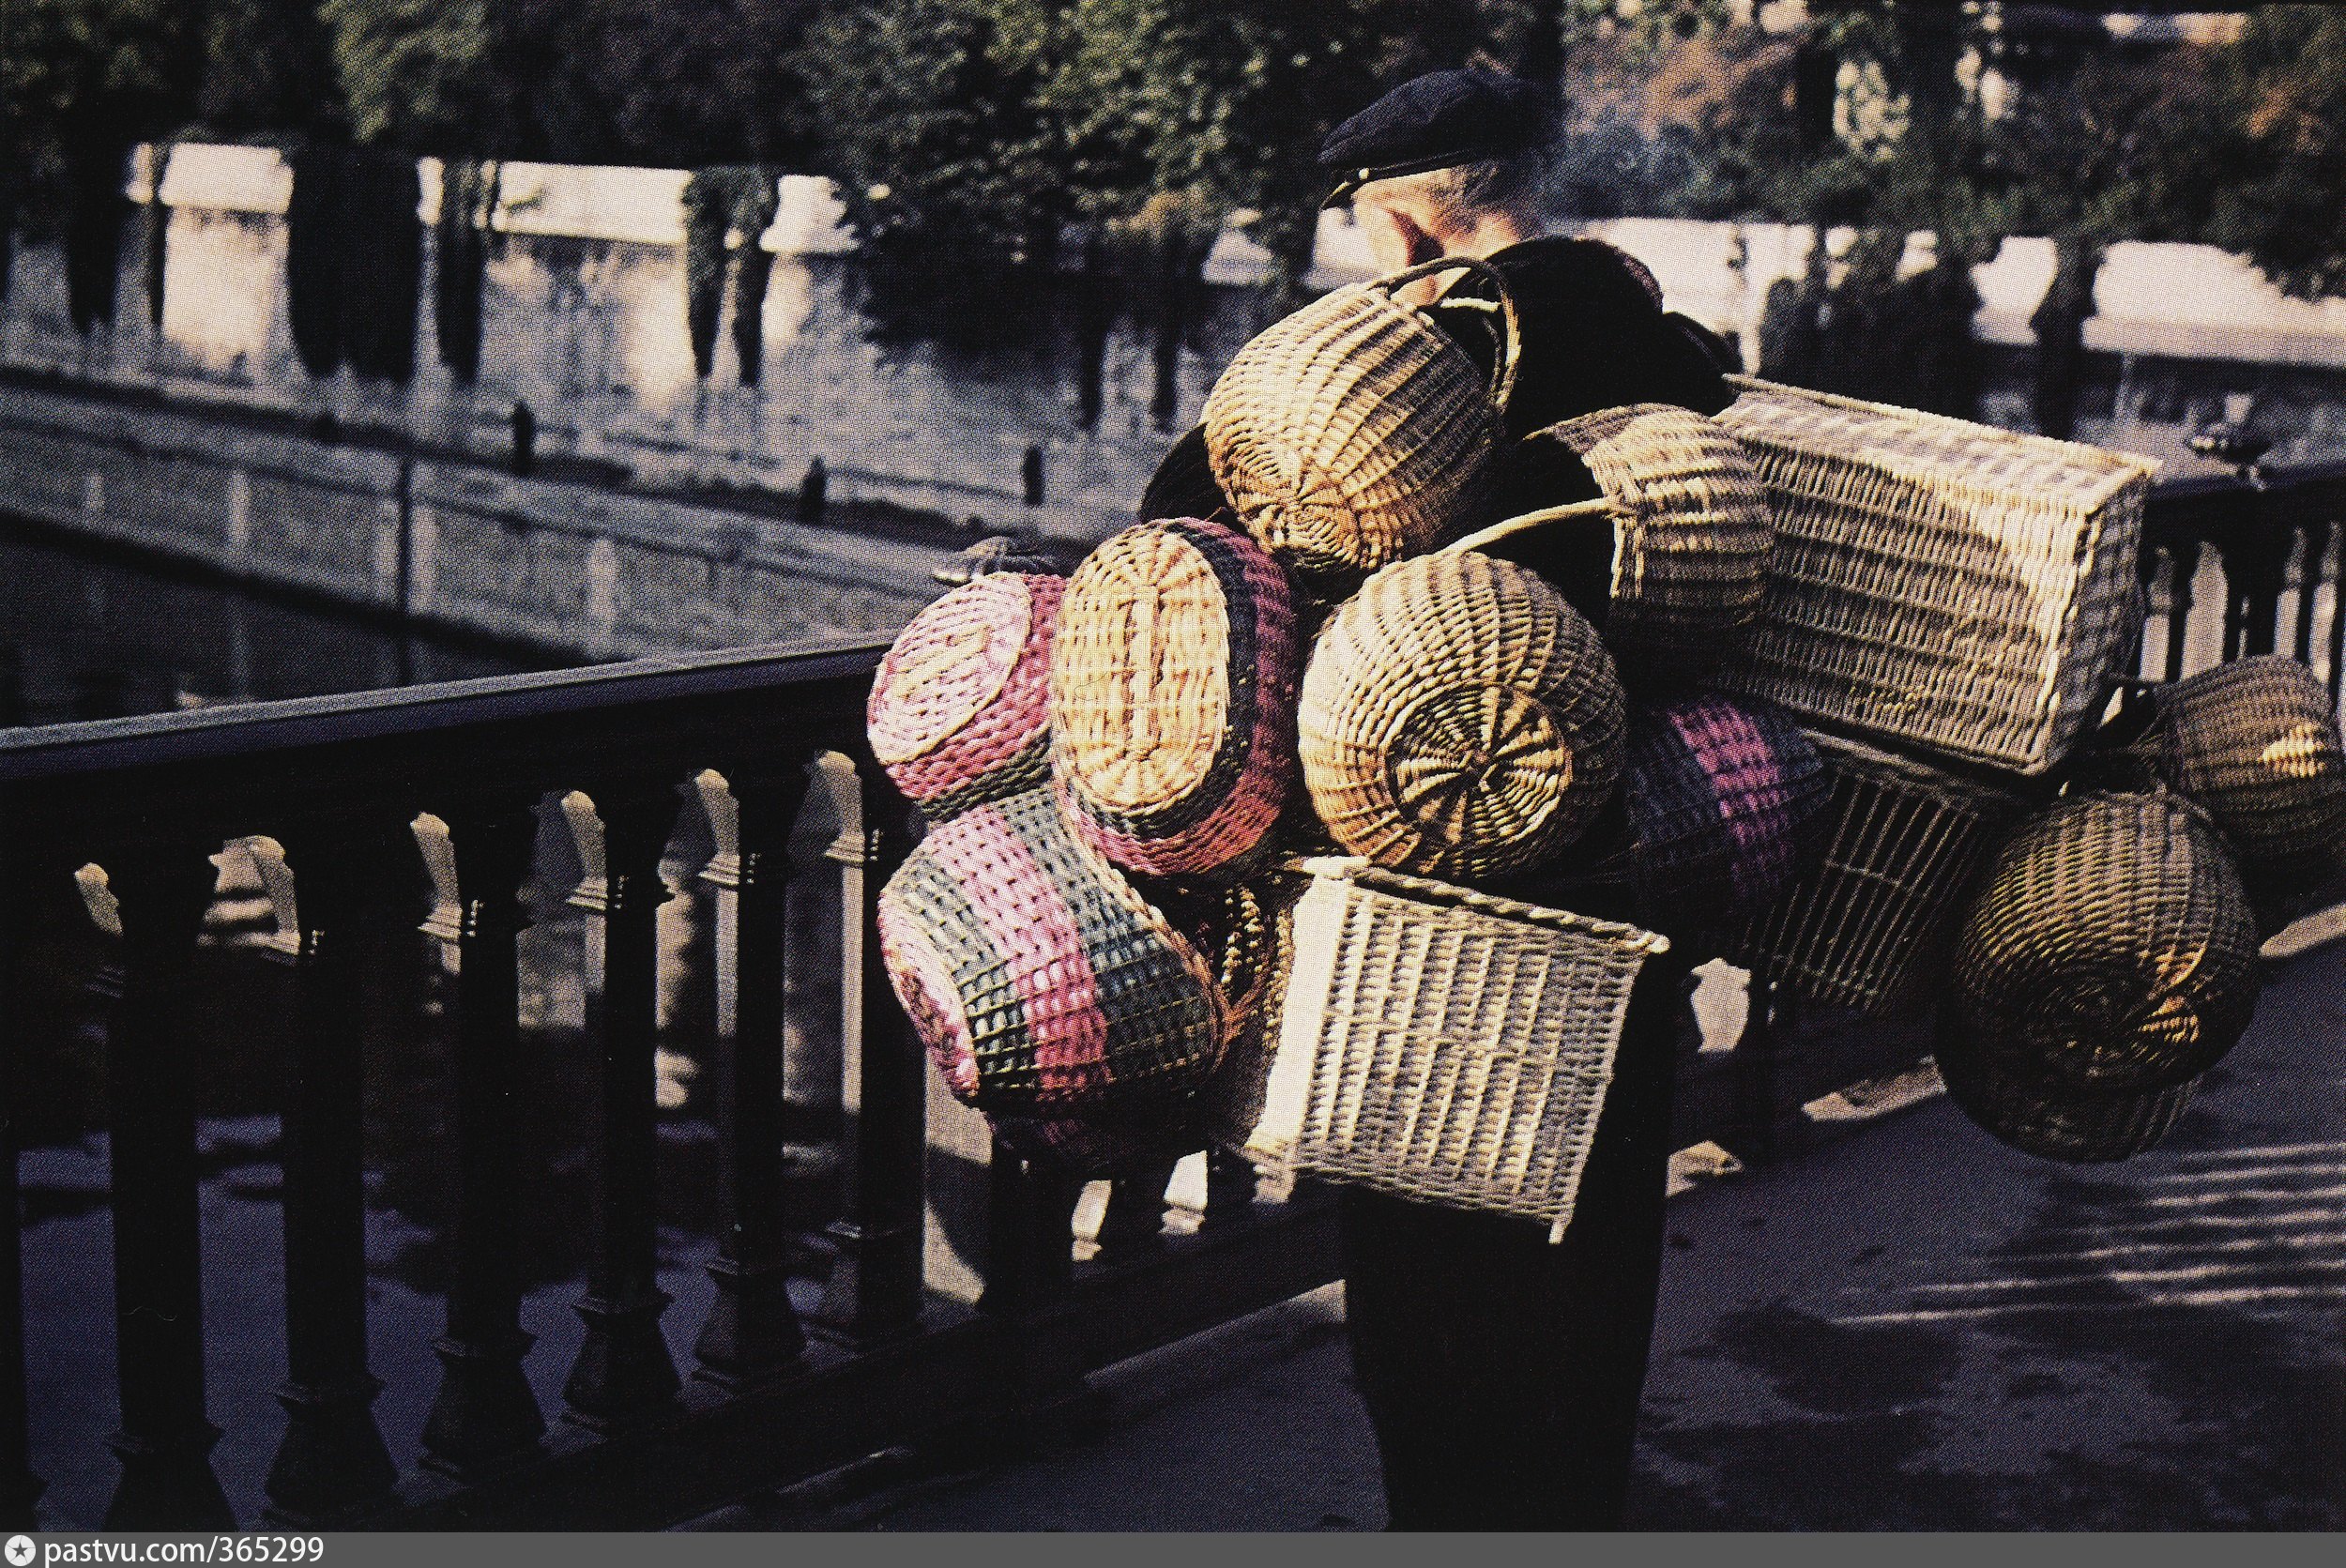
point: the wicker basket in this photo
(1173, 683)
(2110, 947)
(1100, 1146)
(2076, 1126)
(1444, 1044)
(958, 713)
(1960, 588)
(1726, 805)
(2255, 743)
(1037, 978)
(1903, 845)
(1356, 431)
(1458, 718)
(1691, 534)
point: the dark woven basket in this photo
(2073, 1125)
(1172, 697)
(1101, 1145)
(1037, 978)
(1866, 927)
(2255, 743)
(2110, 947)
(1726, 803)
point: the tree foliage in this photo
(2279, 194)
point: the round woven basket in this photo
(959, 712)
(1172, 697)
(1691, 534)
(1037, 978)
(1356, 431)
(2078, 1126)
(2110, 947)
(1726, 804)
(2255, 743)
(1459, 719)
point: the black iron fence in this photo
(871, 1353)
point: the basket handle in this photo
(1577, 511)
(1503, 373)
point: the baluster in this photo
(165, 1441)
(874, 1289)
(2264, 570)
(624, 1372)
(19, 1488)
(485, 1416)
(332, 1462)
(1133, 1225)
(2185, 554)
(1030, 1269)
(2316, 539)
(2338, 616)
(1230, 1184)
(752, 1333)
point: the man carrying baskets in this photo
(1502, 1373)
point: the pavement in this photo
(1912, 1327)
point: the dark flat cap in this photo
(1436, 121)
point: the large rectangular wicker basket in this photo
(1444, 1044)
(1961, 589)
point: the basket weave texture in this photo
(2054, 1122)
(1172, 696)
(1692, 535)
(1460, 719)
(959, 710)
(1356, 431)
(2255, 743)
(1963, 589)
(1101, 1145)
(1444, 1044)
(1726, 805)
(2110, 947)
(1904, 843)
(1037, 978)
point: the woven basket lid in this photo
(2255, 743)
(959, 709)
(2054, 1122)
(1726, 802)
(1356, 431)
(2110, 945)
(1458, 718)
(1173, 696)
(1039, 978)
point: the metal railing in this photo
(871, 1353)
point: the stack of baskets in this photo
(1369, 904)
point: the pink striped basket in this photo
(959, 713)
(1039, 981)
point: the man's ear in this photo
(1397, 238)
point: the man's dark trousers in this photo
(1502, 1372)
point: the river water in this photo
(85, 639)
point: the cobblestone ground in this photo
(1913, 1327)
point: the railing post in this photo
(332, 1462)
(1030, 1269)
(2184, 553)
(165, 1441)
(2316, 532)
(485, 1416)
(624, 1372)
(874, 1289)
(1133, 1225)
(753, 1332)
(19, 1488)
